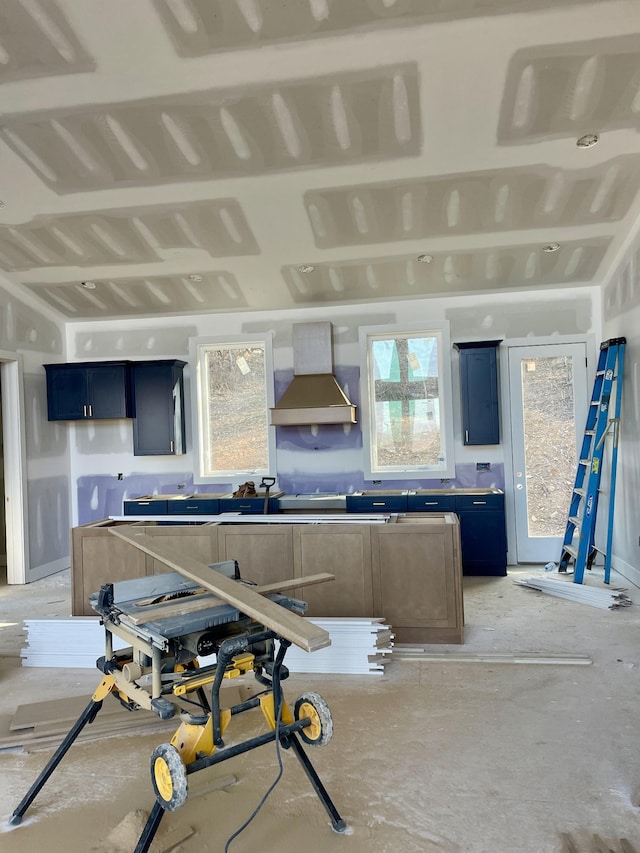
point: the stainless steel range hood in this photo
(314, 396)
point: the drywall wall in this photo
(621, 318)
(308, 459)
(28, 336)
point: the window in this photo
(234, 391)
(407, 423)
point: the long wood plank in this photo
(203, 600)
(289, 625)
(254, 518)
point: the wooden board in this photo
(203, 599)
(285, 623)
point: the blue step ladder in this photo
(579, 538)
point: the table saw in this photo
(169, 623)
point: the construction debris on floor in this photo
(605, 599)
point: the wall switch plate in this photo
(483, 466)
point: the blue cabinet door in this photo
(158, 404)
(88, 391)
(376, 503)
(479, 392)
(483, 534)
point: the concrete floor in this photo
(452, 757)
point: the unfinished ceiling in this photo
(185, 156)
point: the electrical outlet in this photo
(180, 486)
(120, 476)
(445, 481)
(483, 466)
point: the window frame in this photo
(367, 335)
(199, 348)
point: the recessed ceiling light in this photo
(195, 277)
(88, 285)
(425, 259)
(305, 268)
(551, 247)
(588, 140)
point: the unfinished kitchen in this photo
(326, 291)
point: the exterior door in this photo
(548, 401)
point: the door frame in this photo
(589, 340)
(15, 468)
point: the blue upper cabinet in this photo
(88, 391)
(479, 392)
(158, 402)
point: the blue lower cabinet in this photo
(376, 503)
(483, 534)
(245, 506)
(146, 506)
(193, 506)
(430, 503)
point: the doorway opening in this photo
(13, 516)
(548, 405)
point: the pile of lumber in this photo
(43, 725)
(606, 599)
(358, 646)
(74, 643)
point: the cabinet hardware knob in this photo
(84, 411)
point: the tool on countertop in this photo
(169, 622)
(266, 484)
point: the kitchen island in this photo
(405, 568)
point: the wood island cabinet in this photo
(197, 543)
(417, 578)
(264, 553)
(97, 558)
(343, 550)
(407, 570)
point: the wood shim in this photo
(289, 625)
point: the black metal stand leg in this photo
(150, 829)
(336, 821)
(87, 716)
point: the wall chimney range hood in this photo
(313, 396)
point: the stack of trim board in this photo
(358, 646)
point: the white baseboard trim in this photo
(631, 573)
(39, 572)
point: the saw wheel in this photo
(320, 730)
(169, 777)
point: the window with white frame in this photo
(406, 398)
(233, 394)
